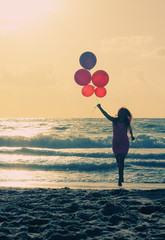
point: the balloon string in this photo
(97, 99)
(96, 105)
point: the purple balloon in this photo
(82, 77)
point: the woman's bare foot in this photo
(119, 183)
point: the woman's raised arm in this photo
(112, 119)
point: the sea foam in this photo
(53, 141)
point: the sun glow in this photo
(15, 13)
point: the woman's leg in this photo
(120, 162)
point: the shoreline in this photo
(84, 185)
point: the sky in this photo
(41, 42)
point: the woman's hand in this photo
(133, 138)
(99, 105)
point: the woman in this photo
(120, 141)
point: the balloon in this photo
(100, 92)
(82, 77)
(88, 90)
(88, 60)
(100, 78)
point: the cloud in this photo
(121, 44)
(154, 52)
(43, 74)
(135, 76)
(140, 45)
(160, 52)
(34, 75)
(5, 29)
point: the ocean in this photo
(50, 151)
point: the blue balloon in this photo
(88, 60)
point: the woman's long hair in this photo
(128, 116)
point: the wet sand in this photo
(74, 214)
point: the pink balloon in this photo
(100, 92)
(82, 77)
(100, 78)
(88, 90)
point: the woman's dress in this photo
(120, 142)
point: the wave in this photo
(148, 141)
(55, 142)
(81, 166)
(158, 156)
(42, 152)
(87, 167)
(153, 164)
(59, 128)
(38, 152)
(154, 127)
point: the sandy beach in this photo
(65, 213)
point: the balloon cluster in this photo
(84, 78)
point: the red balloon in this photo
(82, 77)
(100, 92)
(88, 90)
(100, 78)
